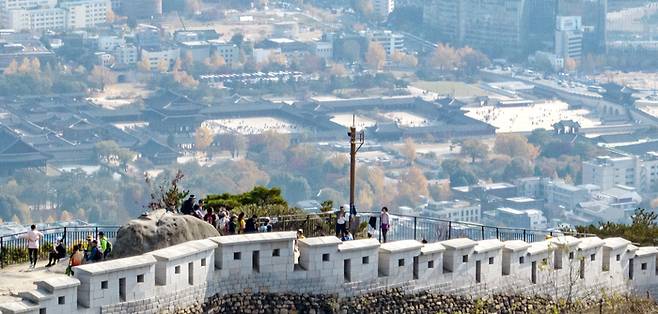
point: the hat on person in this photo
(89, 237)
(300, 230)
(192, 196)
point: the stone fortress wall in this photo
(189, 273)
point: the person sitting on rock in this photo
(187, 208)
(95, 255)
(197, 211)
(347, 236)
(75, 259)
(57, 253)
(105, 244)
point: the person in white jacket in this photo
(33, 236)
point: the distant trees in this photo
(458, 172)
(30, 77)
(643, 230)
(515, 145)
(102, 76)
(111, 154)
(408, 150)
(466, 60)
(404, 59)
(474, 149)
(376, 56)
(351, 50)
(203, 138)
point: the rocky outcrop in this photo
(159, 229)
(387, 301)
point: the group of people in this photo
(225, 221)
(342, 221)
(93, 250)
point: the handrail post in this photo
(2, 254)
(379, 227)
(415, 225)
(482, 232)
(64, 237)
(449, 230)
(96, 233)
(497, 236)
(308, 228)
(524, 238)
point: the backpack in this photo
(97, 255)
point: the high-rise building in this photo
(444, 18)
(569, 37)
(141, 9)
(540, 25)
(513, 27)
(594, 18)
(382, 8)
(494, 26)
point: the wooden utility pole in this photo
(355, 139)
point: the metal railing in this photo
(13, 247)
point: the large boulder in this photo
(159, 229)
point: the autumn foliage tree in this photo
(474, 149)
(203, 138)
(102, 76)
(515, 145)
(376, 56)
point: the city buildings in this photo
(391, 41)
(639, 172)
(382, 8)
(52, 15)
(453, 210)
(510, 28)
(140, 9)
(569, 37)
(164, 55)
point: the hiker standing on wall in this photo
(341, 222)
(385, 222)
(33, 236)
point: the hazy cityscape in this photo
(533, 114)
(540, 115)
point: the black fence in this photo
(13, 248)
(405, 227)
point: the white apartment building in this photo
(640, 173)
(569, 37)
(229, 51)
(8, 5)
(36, 19)
(382, 8)
(44, 15)
(109, 43)
(155, 55)
(453, 210)
(85, 13)
(323, 49)
(391, 41)
(126, 54)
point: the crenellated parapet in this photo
(188, 273)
